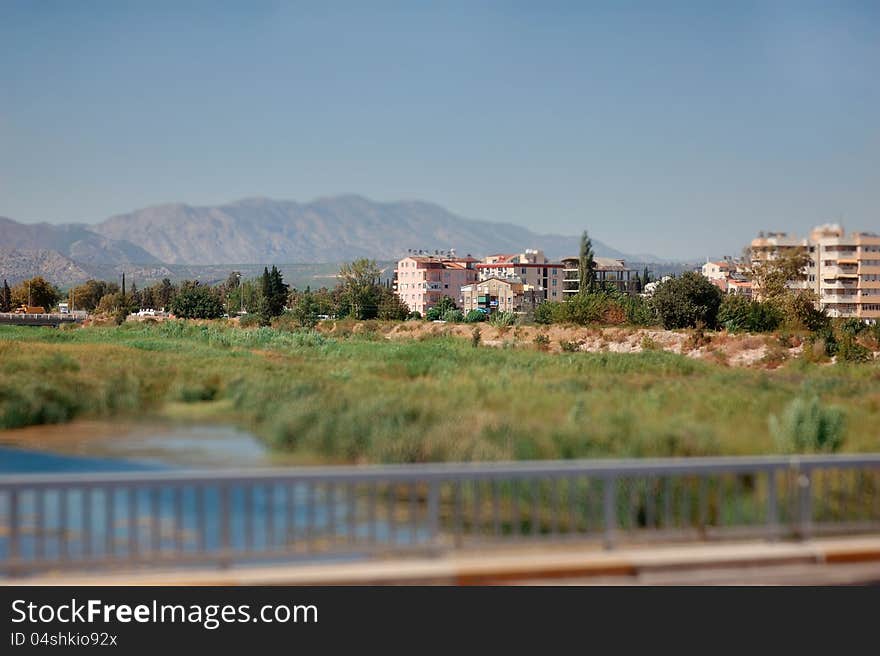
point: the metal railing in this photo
(87, 521)
(42, 319)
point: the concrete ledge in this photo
(530, 563)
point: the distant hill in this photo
(164, 240)
(18, 264)
(326, 230)
(79, 242)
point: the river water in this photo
(101, 519)
(106, 446)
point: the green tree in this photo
(196, 301)
(274, 294)
(163, 293)
(773, 277)
(36, 292)
(117, 305)
(586, 265)
(306, 310)
(148, 301)
(646, 276)
(359, 291)
(441, 307)
(87, 295)
(5, 297)
(391, 308)
(687, 301)
(136, 296)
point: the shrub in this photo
(542, 341)
(849, 350)
(475, 316)
(686, 301)
(649, 344)
(823, 342)
(806, 425)
(502, 319)
(584, 309)
(249, 321)
(697, 338)
(476, 335)
(415, 316)
(638, 311)
(853, 327)
(453, 316)
(569, 347)
(544, 312)
(741, 313)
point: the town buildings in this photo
(499, 295)
(843, 270)
(729, 276)
(609, 272)
(515, 282)
(531, 268)
(422, 280)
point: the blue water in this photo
(23, 461)
(82, 524)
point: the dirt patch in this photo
(735, 350)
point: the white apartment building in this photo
(844, 270)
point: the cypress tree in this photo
(586, 266)
(5, 297)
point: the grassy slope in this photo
(364, 398)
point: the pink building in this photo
(422, 280)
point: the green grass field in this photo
(366, 399)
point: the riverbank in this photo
(152, 441)
(355, 396)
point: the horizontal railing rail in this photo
(88, 521)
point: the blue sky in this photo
(667, 127)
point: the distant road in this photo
(52, 319)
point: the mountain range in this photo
(157, 240)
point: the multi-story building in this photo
(728, 276)
(844, 270)
(531, 268)
(609, 272)
(718, 270)
(421, 281)
(498, 295)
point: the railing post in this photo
(14, 533)
(805, 503)
(609, 510)
(772, 506)
(225, 521)
(433, 512)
